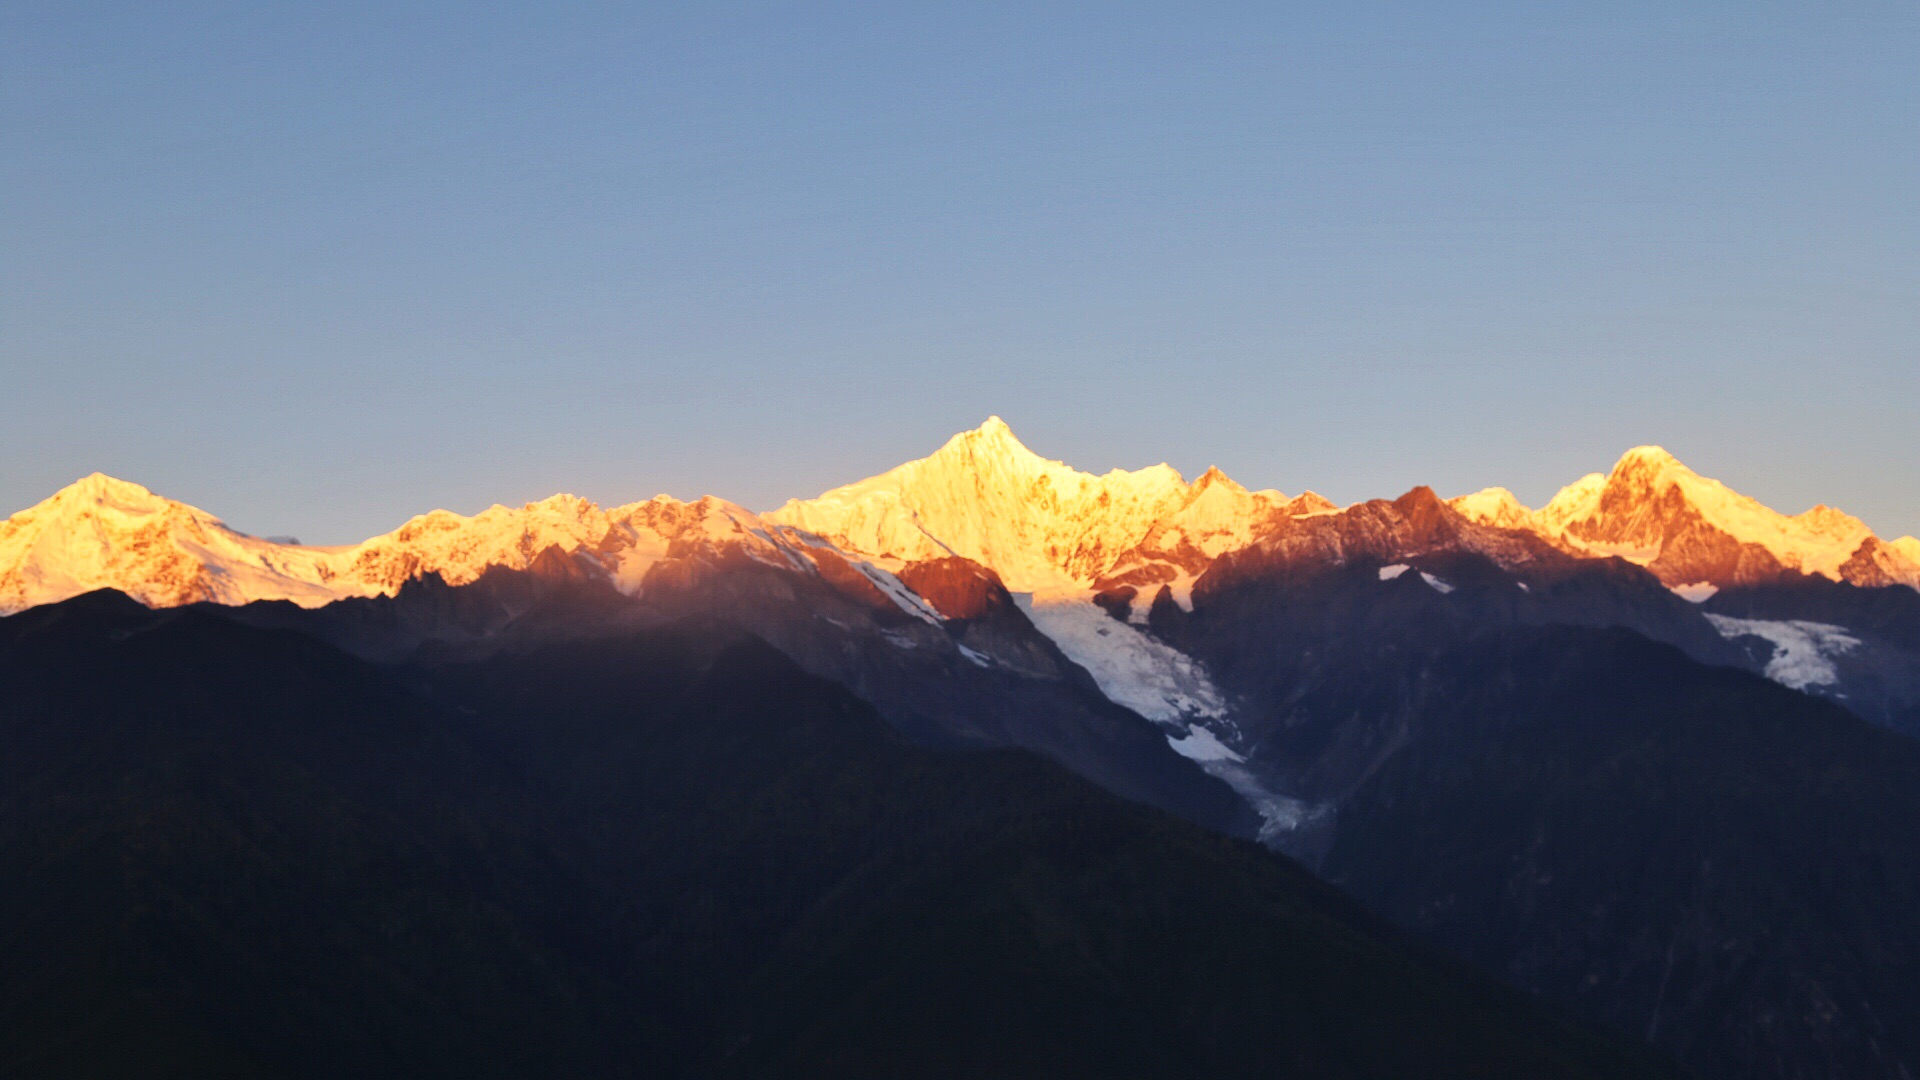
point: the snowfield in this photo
(1803, 651)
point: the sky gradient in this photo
(319, 269)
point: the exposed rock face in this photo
(1693, 531)
(1218, 516)
(1880, 562)
(957, 588)
(1417, 523)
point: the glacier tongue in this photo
(1803, 651)
(1168, 687)
(1151, 678)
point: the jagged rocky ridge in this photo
(1042, 526)
(1695, 532)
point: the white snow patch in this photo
(1803, 651)
(1140, 608)
(1524, 587)
(1698, 592)
(1279, 814)
(1151, 678)
(975, 655)
(904, 598)
(1199, 744)
(1182, 591)
(1388, 573)
(1439, 586)
(1168, 687)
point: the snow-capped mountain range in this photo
(106, 533)
(1046, 528)
(1088, 560)
(1407, 676)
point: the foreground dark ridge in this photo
(240, 852)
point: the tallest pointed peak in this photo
(1647, 457)
(993, 439)
(997, 432)
(1041, 524)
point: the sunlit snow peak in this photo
(1689, 529)
(1044, 526)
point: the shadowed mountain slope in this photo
(1690, 853)
(662, 853)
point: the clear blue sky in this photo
(320, 267)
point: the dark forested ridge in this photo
(1688, 853)
(1724, 865)
(235, 851)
